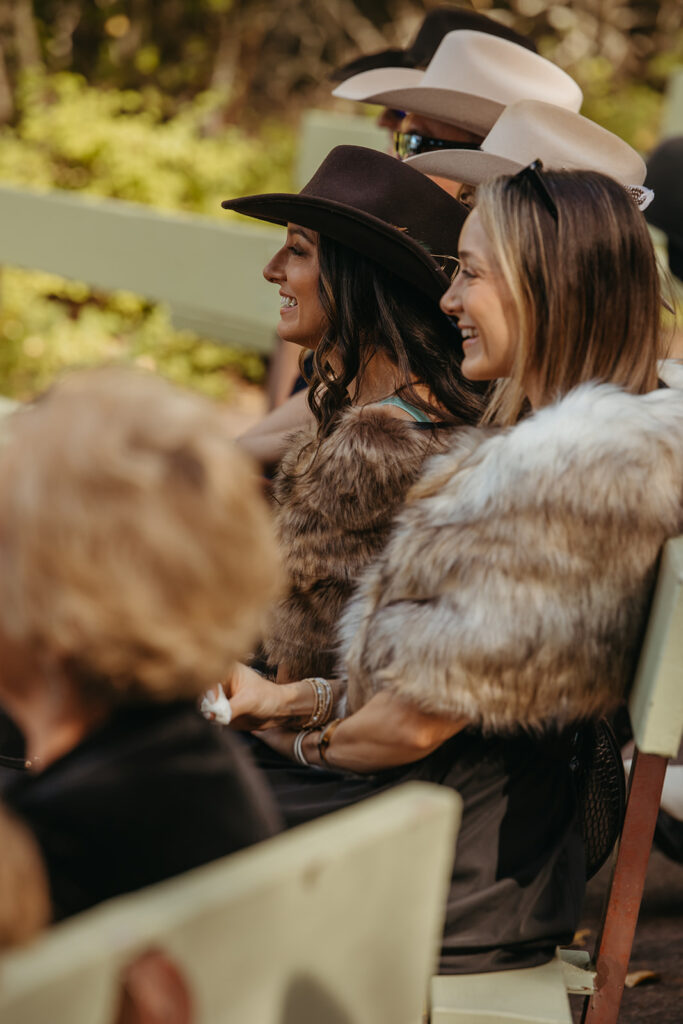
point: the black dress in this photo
(518, 878)
(154, 792)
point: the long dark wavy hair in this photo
(368, 309)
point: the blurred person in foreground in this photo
(136, 558)
(664, 175)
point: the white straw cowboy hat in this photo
(469, 81)
(528, 130)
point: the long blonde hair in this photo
(585, 288)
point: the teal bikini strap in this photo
(417, 414)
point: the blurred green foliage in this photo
(122, 144)
(178, 103)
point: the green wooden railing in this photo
(207, 271)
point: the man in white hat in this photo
(530, 130)
(436, 24)
(472, 77)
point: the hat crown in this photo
(484, 65)
(564, 140)
(385, 188)
(530, 130)
(434, 27)
(442, 20)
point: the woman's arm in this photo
(385, 733)
(266, 441)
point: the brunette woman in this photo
(507, 607)
(359, 277)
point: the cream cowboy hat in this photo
(469, 81)
(525, 131)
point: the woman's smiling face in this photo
(481, 302)
(296, 269)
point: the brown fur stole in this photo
(516, 584)
(334, 506)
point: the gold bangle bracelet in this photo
(326, 738)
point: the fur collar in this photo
(515, 586)
(334, 507)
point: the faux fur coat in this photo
(515, 587)
(334, 508)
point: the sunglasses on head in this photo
(532, 176)
(411, 143)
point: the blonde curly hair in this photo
(136, 550)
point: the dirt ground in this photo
(658, 944)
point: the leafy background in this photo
(177, 103)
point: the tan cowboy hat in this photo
(525, 131)
(436, 24)
(469, 81)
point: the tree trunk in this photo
(26, 42)
(6, 98)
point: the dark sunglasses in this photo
(411, 143)
(532, 175)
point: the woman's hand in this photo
(255, 702)
(258, 703)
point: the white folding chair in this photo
(338, 921)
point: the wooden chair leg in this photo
(626, 888)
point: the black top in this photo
(154, 792)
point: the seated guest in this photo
(24, 893)
(470, 80)
(136, 558)
(664, 170)
(505, 611)
(369, 248)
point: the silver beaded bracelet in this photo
(298, 748)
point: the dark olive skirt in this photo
(518, 877)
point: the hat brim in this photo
(474, 113)
(472, 166)
(386, 244)
(365, 85)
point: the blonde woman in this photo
(506, 610)
(136, 559)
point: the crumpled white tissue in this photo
(216, 708)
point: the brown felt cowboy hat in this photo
(379, 207)
(436, 24)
